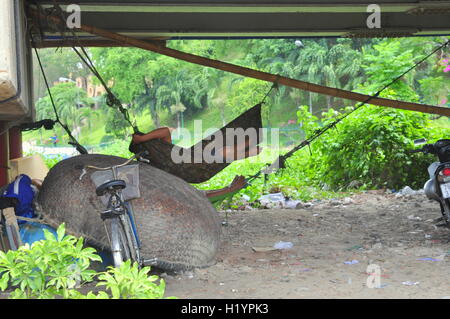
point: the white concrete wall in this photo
(14, 64)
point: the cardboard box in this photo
(33, 166)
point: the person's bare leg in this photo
(37, 183)
(236, 184)
(162, 133)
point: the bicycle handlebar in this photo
(136, 156)
(114, 166)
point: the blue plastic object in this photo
(107, 258)
(31, 232)
(21, 190)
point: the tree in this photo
(330, 62)
(156, 82)
(68, 100)
(68, 65)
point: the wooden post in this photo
(4, 154)
(15, 143)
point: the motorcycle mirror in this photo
(420, 141)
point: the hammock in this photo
(160, 152)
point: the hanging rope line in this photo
(111, 99)
(274, 86)
(73, 140)
(280, 162)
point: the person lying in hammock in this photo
(236, 152)
(205, 159)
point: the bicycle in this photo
(9, 230)
(124, 239)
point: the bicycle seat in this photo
(115, 184)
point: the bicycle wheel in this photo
(9, 221)
(130, 237)
(119, 244)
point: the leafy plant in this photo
(57, 266)
(47, 268)
(371, 147)
(130, 282)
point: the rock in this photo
(335, 202)
(348, 200)
(263, 249)
(188, 274)
(304, 205)
(274, 205)
(245, 269)
(293, 204)
(377, 246)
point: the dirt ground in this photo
(333, 243)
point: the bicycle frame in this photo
(122, 224)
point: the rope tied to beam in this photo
(73, 141)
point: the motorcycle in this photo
(438, 186)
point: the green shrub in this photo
(370, 148)
(47, 268)
(57, 266)
(118, 148)
(107, 138)
(130, 282)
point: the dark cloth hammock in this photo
(160, 152)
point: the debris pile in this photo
(408, 191)
(278, 200)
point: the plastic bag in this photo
(283, 245)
